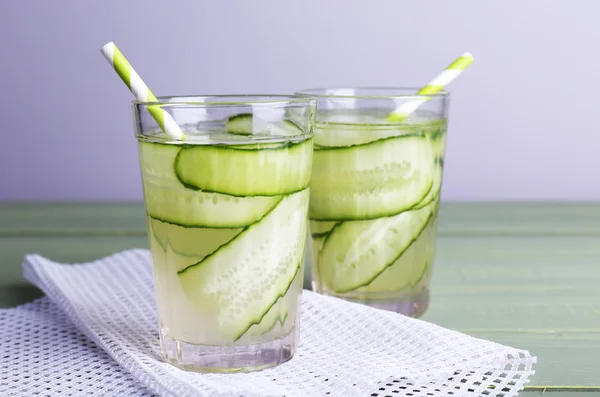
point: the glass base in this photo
(227, 359)
(413, 305)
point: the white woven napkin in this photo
(346, 349)
(43, 354)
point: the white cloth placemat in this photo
(346, 349)
(43, 354)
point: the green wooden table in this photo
(522, 274)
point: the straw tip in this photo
(468, 55)
(107, 46)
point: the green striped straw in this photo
(436, 85)
(140, 90)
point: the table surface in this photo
(522, 274)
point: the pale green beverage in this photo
(375, 194)
(227, 225)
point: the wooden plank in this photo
(565, 358)
(72, 219)
(519, 218)
(15, 290)
(489, 218)
(516, 282)
(536, 293)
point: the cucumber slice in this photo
(260, 146)
(355, 253)
(198, 209)
(317, 243)
(281, 318)
(275, 317)
(190, 245)
(168, 200)
(408, 270)
(244, 124)
(381, 178)
(435, 189)
(439, 145)
(353, 135)
(266, 172)
(243, 279)
(339, 135)
(318, 229)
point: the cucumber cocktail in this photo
(374, 198)
(227, 222)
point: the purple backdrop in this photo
(523, 124)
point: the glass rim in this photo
(253, 99)
(394, 93)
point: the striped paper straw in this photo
(436, 85)
(140, 90)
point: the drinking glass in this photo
(227, 221)
(374, 196)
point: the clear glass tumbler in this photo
(374, 198)
(227, 224)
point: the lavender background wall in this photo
(523, 118)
